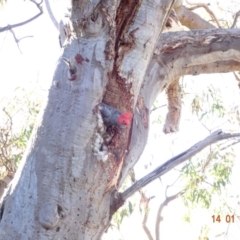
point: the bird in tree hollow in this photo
(113, 117)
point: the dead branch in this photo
(50, 13)
(145, 201)
(168, 14)
(235, 19)
(17, 40)
(145, 218)
(8, 27)
(237, 78)
(160, 209)
(173, 162)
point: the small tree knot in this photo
(50, 214)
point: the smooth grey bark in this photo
(51, 15)
(61, 190)
(192, 20)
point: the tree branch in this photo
(50, 13)
(156, 108)
(214, 53)
(217, 67)
(192, 20)
(8, 27)
(17, 40)
(159, 218)
(208, 10)
(145, 218)
(167, 14)
(230, 145)
(173, 162)
(237, 78)
(145, 202)
(235, 19)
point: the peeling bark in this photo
(174, 108)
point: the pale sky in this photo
(34, 68)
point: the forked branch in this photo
(159, 213)
(208, 10)
(8, 27)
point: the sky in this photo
(39, 51)
(33, 67)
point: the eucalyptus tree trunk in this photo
(64, 189)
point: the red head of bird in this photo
(125, 119)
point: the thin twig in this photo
(145, 218)
(3, 42)
(15, 38)
(24, 37)
(167, 15)
(4, 140)
(235, 19)
(237, 78)
(232, 144)
(8, 27)
(156, 108)
(145, 202)
(10, 118)
(18, 40)
(173, 162)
